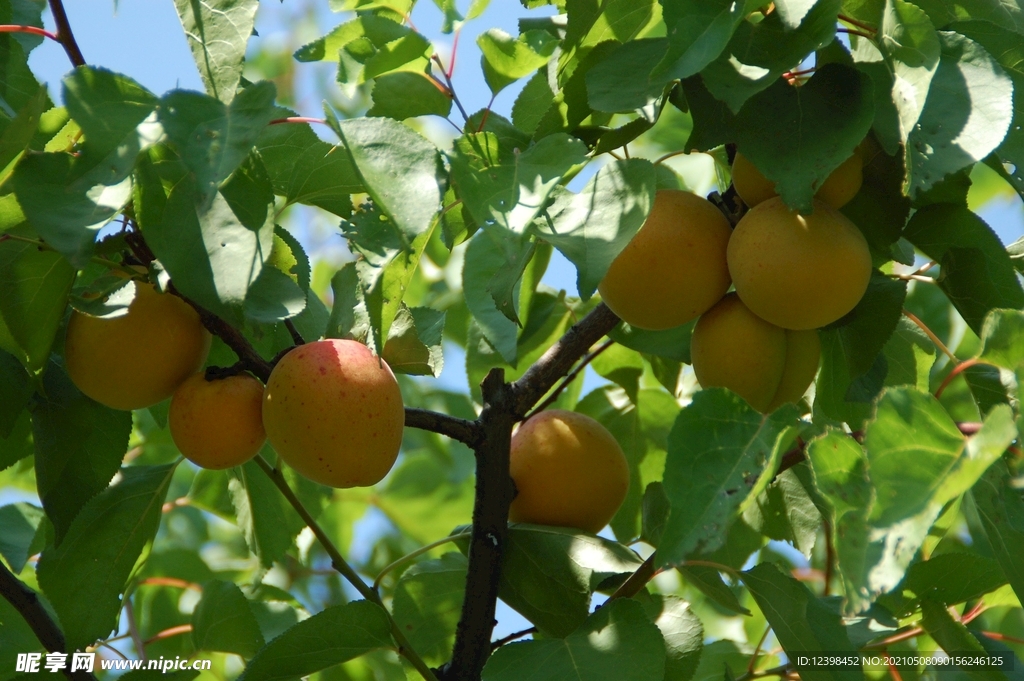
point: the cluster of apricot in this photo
(331, 409)
(792, 274)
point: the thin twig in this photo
(671, 154)
(830, 559)
(168, 633)
(451, 88)
(718, 566)
(571, 376)
(852, 31)
(855, 22)
(957, 370)
(931, 334)
(296, 336)
(64, 34)
(341, 565)
(133, 629)
(757, 650)
(512, 637)
(414, 555)
(34, 30)
(297, 119)
(636, 581)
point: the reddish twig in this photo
(34, 30)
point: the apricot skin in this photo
(569, 471)
(140, 358)
(798, 271)
(838, 188)
(765, 365)
(333, 411)
(218, 424)
(674, 267)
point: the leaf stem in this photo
(931, 335)
(757, 651)
(851, 31)
(342, 566)
(718, 566)
(957, 370)
(34, 30)
(671, 154)
(297, 119)
(857, 23)
(414, 555)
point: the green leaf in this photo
(305, 169)
(486, 256)
(214, 138)
(18, 134)
(758, 54)
(16, 637)
(79, 445)
(85, 575)
(414, 342)
(214, 250)
(786, 512)
(332, 636)
(387, 156)
(509, 186)
(977, 274)
(18, 525)
(698, 31)
(682, 631)
(34, 288)
(654, 513)
(622, 80)
(710, 583)
(616, 642)
(864, 331)
(217, 32)
(534, 100)
(266, 520)
(1002, 339)
(595, 22)
(548, 573)
(406, 94)
(591, 228)
(671, 344)
(17, 84)
(955, 129)
(17, 444)
(506, 59)
(951, 578)
(717, 449)
(1001, 511)
(278, 293)
(423, 500)
(817, 127)
(428, 603)
(801, 621)
(224, 622)
(954, 637)
(880, 209)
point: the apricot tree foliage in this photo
(882, 513)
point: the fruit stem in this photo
(342, 566)
(931, 335)
(414, 555)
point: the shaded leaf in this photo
(406, 94)
(428, 603)
(414, 342)
(18, 525)
(1001, 511)
(223, 621)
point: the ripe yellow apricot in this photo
(765, 365)
(838, 188)
(674, 267)
(333, 411)
(140, 358)
(568, 470)
(218, 424)
(798, 271)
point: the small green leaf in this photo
(954, 637)
(387, 156)
(710, 583)
(16, 137)
(616, 642)
(880, 209)
(977, 274)
(591, 228)
(801, 621)
(18, 525)
(682, 631)
(266, 520)
(1002, 339)
(217, 32)
(506, 59)
(654, 513)
(698, 31)
(406, 94)
(332, 636)
(280, 290)
(717, 449)
(864, 331)
(414, 342)
(786, 512)
(86, 574)
(428, 604)
(951, 578)
(955, 129)
(224, 622)
(79, 445)
(486, 256)
(1001, 511)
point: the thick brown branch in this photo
(494, 492)
(26, 602)
(64, 35)
(468, 432)
(558, 360)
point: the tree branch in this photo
(494, 492)
(26, 602)
(64, 35)
(558, 360)
(467, 432)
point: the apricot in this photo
(140, 358)
(333, 411)
(798, 271)
(218, 423)
(674, 267)
(569, 471)
(765, 365)
(838, 188)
